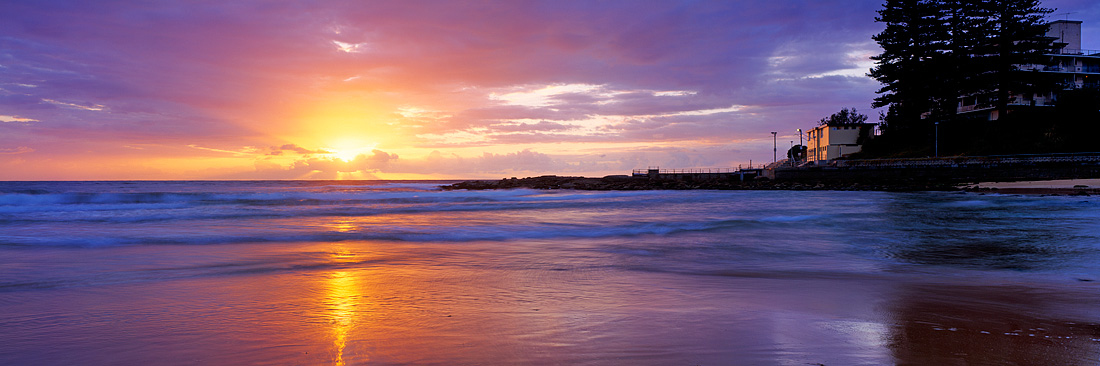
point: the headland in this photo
(980, 174)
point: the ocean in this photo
(402, 272)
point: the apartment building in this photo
(827, 142)
(1070, 66)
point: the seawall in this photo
(952, 170)
(931, 174)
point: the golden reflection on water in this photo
(342, 304)
(343, 225)
(382, 223)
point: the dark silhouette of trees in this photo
(1017, 37)
(845, 117)
(909, 43)
(937, 51)
(797, 153)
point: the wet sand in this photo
(365, 303)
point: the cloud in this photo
(246, 151)
(96, 107)
(529, 162)
(527, 127)
(350, 47)
(227, 60)
(16, 150)
(323, 167)
(366, 166)
(278, 150)
(15, 119)
(487, 163)
(451, 76)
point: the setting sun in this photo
(348, 148)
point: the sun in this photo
(347, 149)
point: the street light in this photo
(937, 148)
(800, 146)
(774, 148)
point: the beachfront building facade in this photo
(827, 142)
(1069, 66)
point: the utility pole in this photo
(774, 148)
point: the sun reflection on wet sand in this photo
(351, 303)
(342, 305)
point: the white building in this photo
(827, 142)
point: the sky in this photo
(255, 89)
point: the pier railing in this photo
(688, 171)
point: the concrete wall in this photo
(963, 173)
(1067, 31)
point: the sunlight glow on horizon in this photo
(349, 148)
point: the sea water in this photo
(386, 272)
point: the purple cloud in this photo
(98, 76)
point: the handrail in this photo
(689, 171)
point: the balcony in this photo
(1077, 52)
(1088, 68)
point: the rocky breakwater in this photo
(629, 183)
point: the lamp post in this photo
(800, 146)
(774, 148)
(937, 146)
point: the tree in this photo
(937, 51)
(797, 153)
(965, 27)
(1016, 36)
(910, 40)
(845, 117)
